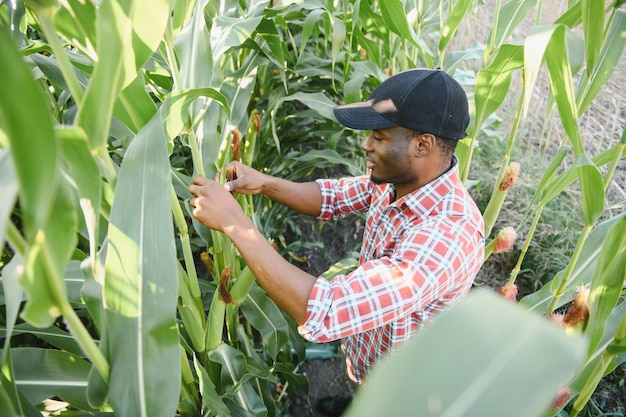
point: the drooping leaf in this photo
(512, 351)
(33, 147)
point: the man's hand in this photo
(243, 179)
(214, 206)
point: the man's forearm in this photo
(303, 197)
(286, 284)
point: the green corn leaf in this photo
(209, 393)
(263, 314)
(8, 191)
(492, 82)
(81, 166)
(134, 106)
(607, 282)
(583, 272)
(45, 265)
(512, 351)
(394, 16)
(234, 369)
(509, 17)
(562, 86)
(33, 147)
(461, 8)
(608, 60)
(140, 286)
(76, 20)
(57, 374)
(12, 400)
(228, 32)
(593, 20)
(52, 335)
(128, 33)
(193, 48)
(592, 188)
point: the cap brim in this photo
(361, 116)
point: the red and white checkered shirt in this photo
(420, 255)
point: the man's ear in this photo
(424, 144)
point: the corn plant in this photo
(129, 307)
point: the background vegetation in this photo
(128, 306)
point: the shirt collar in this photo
(423, 199)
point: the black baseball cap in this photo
(424, 100)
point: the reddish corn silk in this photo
(508, 291)
(504, 240)
(510, 176)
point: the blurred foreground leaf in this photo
(467, 363)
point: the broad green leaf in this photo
(209, 393)
(492, 82)
(508, 18)
(607, 282)
(593, 20)
(263, 314)
(33, 147)
(128, 32)
(193, 48)
(228, 32)
(76, 20)
(584, 268)
(140, 286)
(82, 168)
(461, 8)
(608, 61)
(12, 401)
(310, 23)
(175, 111)
(53, 336)
(394, 17)
(338, 39)
(134, 105)
(316, 101)
(44, 269)
(57, 374)
(592, 188)
(512, 351)
(8, 191)
(562, 86)
(234, 368)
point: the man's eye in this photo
(377, 138)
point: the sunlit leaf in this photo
(608, 60)
(607, 282)
(593, 19)
(141, 282)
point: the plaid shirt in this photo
(420, 255)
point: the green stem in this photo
(186, 245)
(195, 154)
(15, 239)
(529, 238)
(570, 267)
(47, 25)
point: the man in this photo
(423, 242)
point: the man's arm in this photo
(303, 197)
(286, 284)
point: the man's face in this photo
(388, 156)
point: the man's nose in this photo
(367, 142)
